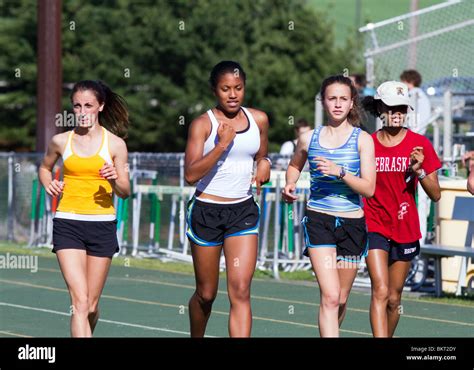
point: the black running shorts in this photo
(97, 238)
(347, 235)
(210, 223)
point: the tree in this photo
(158, 55)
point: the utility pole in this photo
(49, 81)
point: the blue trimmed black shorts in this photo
(396, 251)
(97, 238)
(210, 223)
(347, 235)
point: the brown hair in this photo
(114, 116)
(371, 105)
(412, 76)
(354, 114)
(301, 123)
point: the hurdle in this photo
(177, 194)
(40, 216)
(34, 196)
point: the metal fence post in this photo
(447, 126)
(276, 274)
(11, 209)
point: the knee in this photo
(343, 297)
(394, 301)
(380, 292)
(331, 300)
(80, 305)
(206, 296)
(239, 292)
(93, 307)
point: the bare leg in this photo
(206, 269)
(97, 270)
(323, 260)
(398, 272)
(377, 264)
(347, 273)
(241, 258)
(73, 264)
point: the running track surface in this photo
(138, 302)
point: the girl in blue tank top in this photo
(342, 167)
(328, 192)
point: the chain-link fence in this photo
(438, 41)
(152, 221)
(25, 212)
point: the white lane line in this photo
(101, 320)
(14, 334)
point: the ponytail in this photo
(114, 116)
(371, 106)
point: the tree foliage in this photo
(158, 55)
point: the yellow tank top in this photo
(85, 191)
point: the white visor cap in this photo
(393, 93)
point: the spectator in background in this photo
(360, 82)
(301, 126)
(417, 121)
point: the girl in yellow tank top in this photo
(85, 191)
(95, 167)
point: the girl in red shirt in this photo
(403, 158)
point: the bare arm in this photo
(196, 166)
(470, 181)
(52, 187)
(117, 173)
(468, 157)
(296, 165)
(263, 166)
(430, 183)
(365, 184)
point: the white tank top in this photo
(231, 176)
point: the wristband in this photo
(422, 174)
(266, 158)
(342, 173)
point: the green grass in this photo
(450, 298)
(343, 13)
(152, 264)
(143, 263)
(187, 268)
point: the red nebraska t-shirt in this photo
(392, 210)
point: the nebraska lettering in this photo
(391, 164)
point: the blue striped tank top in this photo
(328, 193)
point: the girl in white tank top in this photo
(231, 176)
(223, 145)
